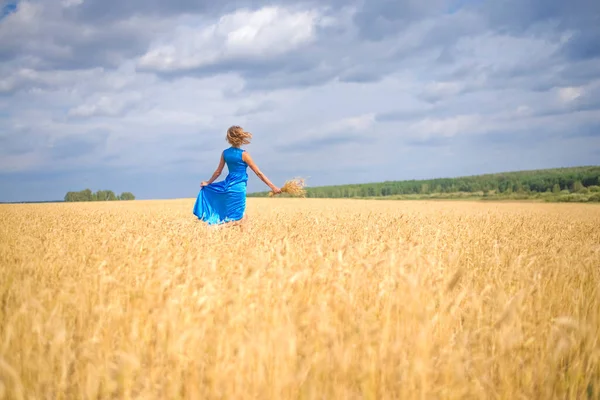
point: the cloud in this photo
(338, 133)
(234, 38)
(447, 127)
(106, 106)
(332, 141)
(252, 107)
(522, 15)
(26, 78)
(358, 124)
(583, 45)
(71, 3)
(42, 35)
(569, 94)
(80, 146)
(436, 91)
(585, 98)
(381, 18)
(17, 144)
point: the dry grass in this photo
(293, 187)
(315, 299)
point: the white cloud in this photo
(51, 80)
(436, 91)
(523, 111)
(447, 127)
(569, 94)
(20, 25)
(347, 126)
(505, 51)
(71, 3)
(239, 36)
(106, 105)
(356, 123)
(444, 88)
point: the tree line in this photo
(100, 195)
(557, 180)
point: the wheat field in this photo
(313, 299)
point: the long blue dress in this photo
(225, 201)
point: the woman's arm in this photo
(217, 172)
(248, 159)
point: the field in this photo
(332, 299)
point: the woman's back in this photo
(235, 163)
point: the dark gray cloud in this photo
(521, 15)
(359, 75)
(42, 37)
(576, 101)
(578, 72)
(94, 33)
(20, 142)
(330, 141)
(574, 62)
(334, 53)
(551, 18)
(264, 106)
(401, 115)
(591, 131)
(378, 19)
(585, 44)
(429, 142)
(79, 146)
(588, 100)
(111, 10)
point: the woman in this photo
(225, 201)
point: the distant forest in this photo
(558, 181)
(100, 195)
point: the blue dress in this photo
(225, 201)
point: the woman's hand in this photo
(276, 190)
(203, 183)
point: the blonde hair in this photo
(237, 136)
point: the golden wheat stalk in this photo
(460, 292)
(293, 187)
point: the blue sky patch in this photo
(7, 10)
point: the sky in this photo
(137, 95)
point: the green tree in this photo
(106, 195)
(577, 186)
(556, 188)
(86, 195)
(100, 195)
(71, 196)
(527, 181)
(127, 196)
